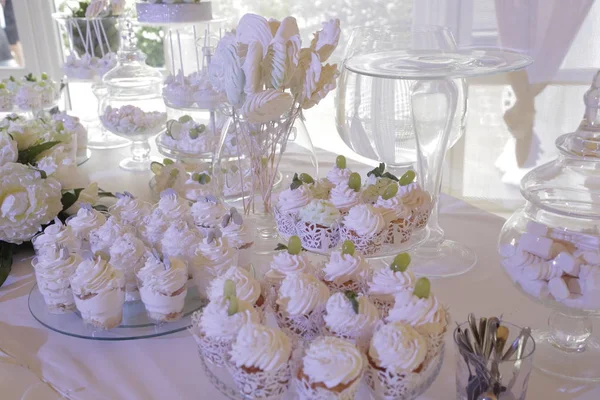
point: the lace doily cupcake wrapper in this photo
(357, 286)
(384, 306)
(399, 231)
(301, 327)
(307, 392)
(286, 223)
(367, 245)
(318, 237)
(261, 384)
(421, 216)
(405, 386)
(360, 339)
(214, 351)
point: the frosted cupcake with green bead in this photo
(347, 193)
(339, 173)
(289, 202)
(365, 227)
(397, 215)
(415, 198)
(389, 281)
(318, 225)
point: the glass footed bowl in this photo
(550, 250)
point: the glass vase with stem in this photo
(267, 157)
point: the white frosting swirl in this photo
(217, 256)
(398, 348)
(94, 276)
(127, 253)
(425, 314)
(56, 234)
(85, 221)
(262, 347)
(179, 241)
(290, 201)
(216, 323)
(238, 236)
(342, 268)
(338, 176)
(207, 213)
(320, 212)
(342, 319)
(393, 208)
(414, 197)
(332, 362)
(386, 282)
(365, 220)
(130, 210)
(53, 273)
(284, 264)
(247, 288)
(172, 206)
(301, 294)
(344, 197)
(102, 238)
(163, 279)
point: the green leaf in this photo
(352, 297)
(390, 176)
(281, 246)
(105, 194)
(29, 155)
(6, 259)
(69, 198)
(101, 208)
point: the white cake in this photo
(163, 13)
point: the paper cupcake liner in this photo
(318, 237)
(307, 392)
(301, 327)
(421, 216)
(367, 245)
(261, 384)
(399, 231)
(286, 223)
(404, 386)
(215, 351)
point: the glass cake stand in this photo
(429, 56)
(135, 324)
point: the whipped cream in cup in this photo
(86, 220)
(99, 291)
(53, 271)
(163, 288)
(212, 259)
(128, 254)
(207, 213)
(56, 235)
(130, 210)
(101, 239)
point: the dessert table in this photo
(36, 363)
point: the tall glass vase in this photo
(268, 154)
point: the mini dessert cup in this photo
(318, 237)
(57, 293)
(367, 245)
(162, 307)
(102, 310)
(286, 223)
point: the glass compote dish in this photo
(550, 248)
(426, 60)
(133, 107)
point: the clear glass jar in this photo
(550, 247)
(133, 107)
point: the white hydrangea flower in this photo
(8, 148)
(28, 202)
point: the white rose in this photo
(59, 162)
(25, 134)
(8, 148)
(28, 202)
(88, 195)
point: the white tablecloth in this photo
(39, 364)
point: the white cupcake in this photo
(179, 241)
(389, 281)
(260, 362)
(102, 238)
(331, 369)
(86, 220)
(128, 254)
(343, 197)
(418, 201)
(365, 227)
(397, 358)
(300, 306)
(285, 263)
(99, 291)
(339, 173)
(247, 287)
(53, 271)
(318, 225)
(346, 270)
(215, 328)
(214, 257)
(163, 288)
(352, 317)
(236, 230)
(397, 215)
(289, 202)
(172, 207)
(130, 210)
